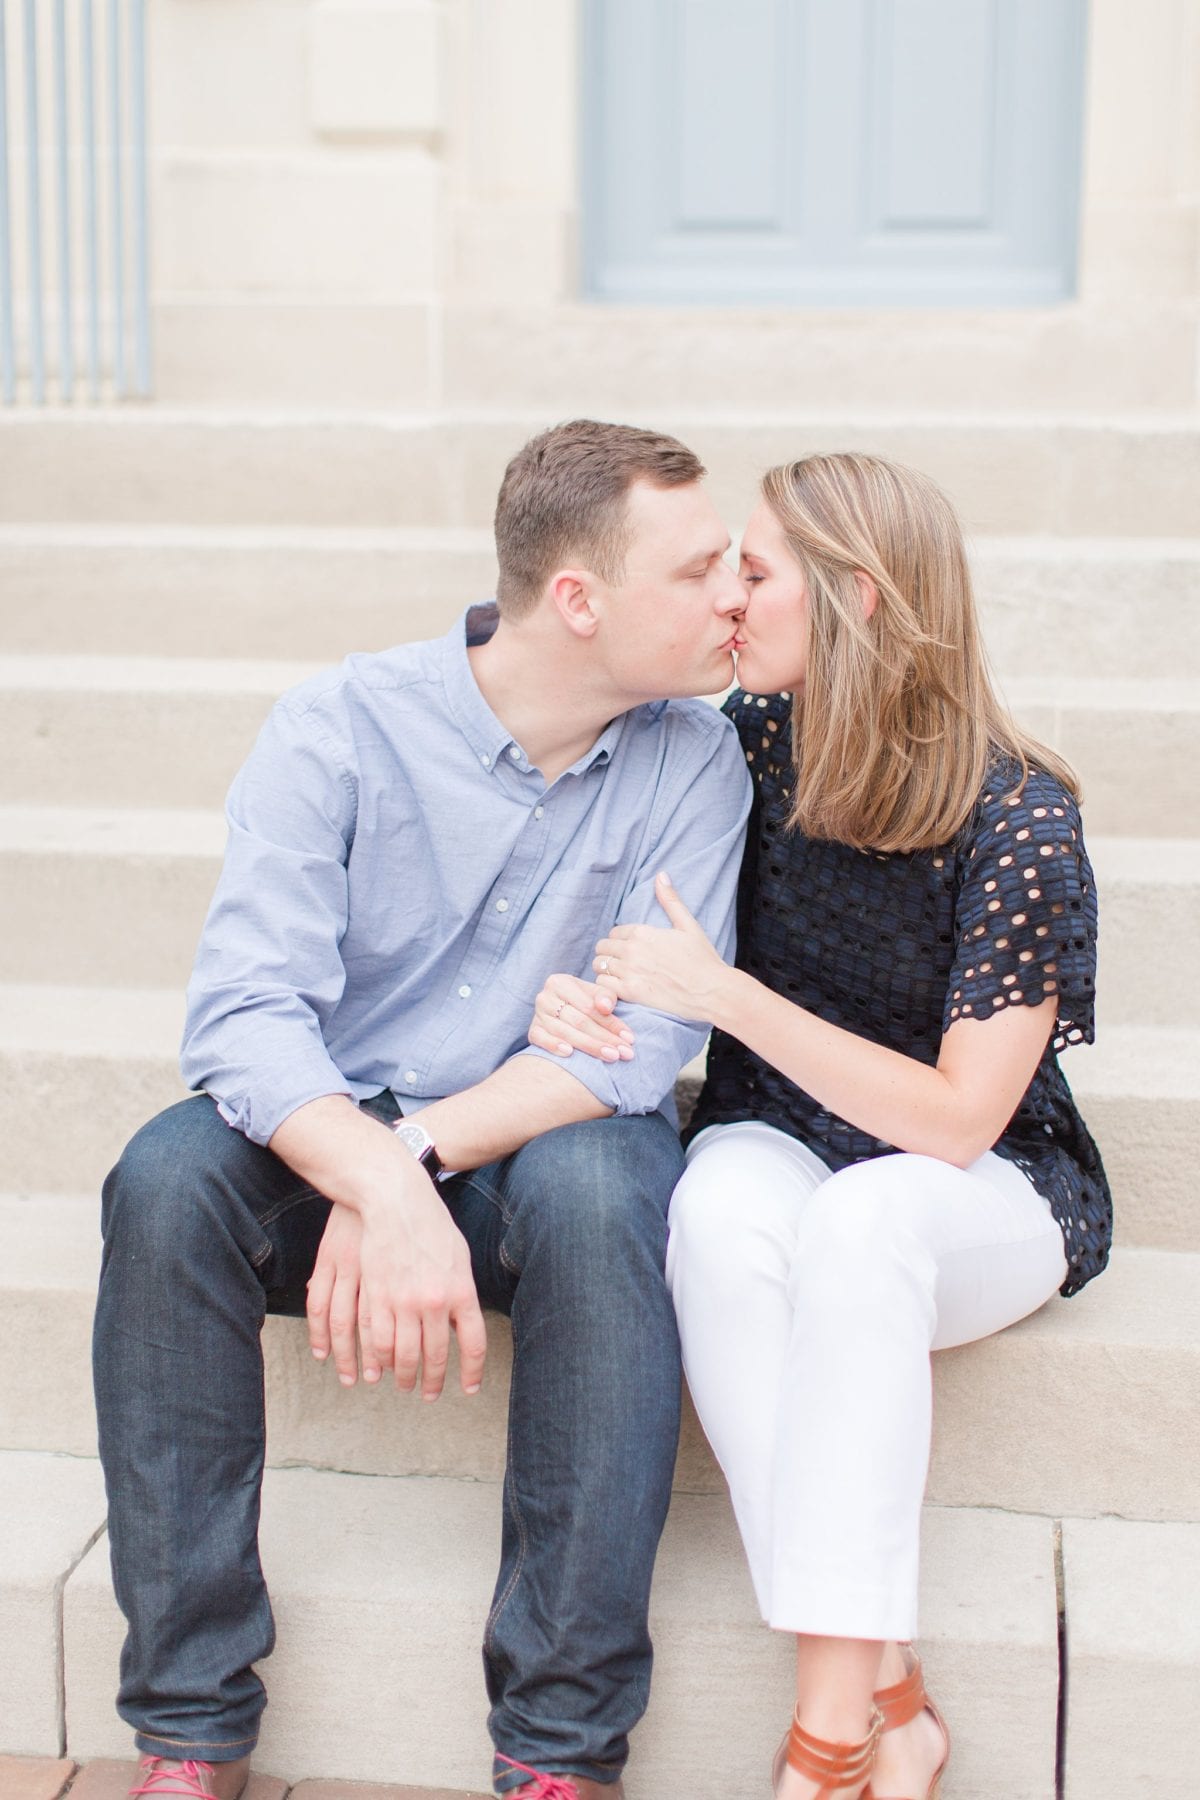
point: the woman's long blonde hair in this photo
(898, 720)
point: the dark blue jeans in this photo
(205, 1233)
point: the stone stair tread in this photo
(1033, 471)
(1132, 1594)
(1154, 1061)
(1161, 860)
(1022, 1420)
(103, 535)
(157, 674)
(1146, 1296)
(59, 1503)
(398, 1574)
(136, 830)
(51, 1242)
(1175, 420)
(1105, 692)
(113, 831)
(110, 1021)
(152, 674)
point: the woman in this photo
(885, 1158)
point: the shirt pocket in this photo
(559, 934)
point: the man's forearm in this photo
(525, 1097)
(344, 1153)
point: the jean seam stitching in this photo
(489, 1636)
(491, 1195)
(296, 1199)
(160, 1737)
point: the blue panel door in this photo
(832, 152)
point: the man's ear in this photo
(572, 594)
(868, 593)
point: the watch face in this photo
(414, 1138)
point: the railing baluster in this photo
(101, 266)
(118, 214)
(8, 358)
(141, 204)
(66, 354)
(37, 354)
(91, 237)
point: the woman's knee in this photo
(858, 1240)
(726, 1227)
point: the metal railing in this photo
(74, 292)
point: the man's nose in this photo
(732, 597)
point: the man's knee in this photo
(599, 1182)
(171, 1172)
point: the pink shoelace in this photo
(545, 1787)
(189, 1775)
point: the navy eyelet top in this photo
(896, 946)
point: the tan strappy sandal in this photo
(835, 1766)
(899, 1705)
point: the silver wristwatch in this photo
(415, 1138)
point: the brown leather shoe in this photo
(550, 1784)
(193, 1779)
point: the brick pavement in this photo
(48, 1778)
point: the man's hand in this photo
(336, 1309)
(399, 1270)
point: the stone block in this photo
(294, 352)
(398, 1575)
(139, 590)
(361, 224)
(59, 1503)
(1133, 1653)
(230, 74)
(375, 68)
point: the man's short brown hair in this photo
(562, 501)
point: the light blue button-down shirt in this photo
(399, 881)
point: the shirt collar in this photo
(483, 731)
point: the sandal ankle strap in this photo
(902, 1702)
(833, 1765)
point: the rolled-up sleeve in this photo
(696, 832)
(268, 971)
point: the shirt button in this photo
(486, 761)
(515, 753)
(464, 992)
(502, 906)
(410, 1076)
(538, 811)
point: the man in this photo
(418, 838)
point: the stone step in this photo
(82, 1067)
(1079, 1409)
(172, 731)
(398, 1575)
(313, 594)
(1091, 605)
(1032, 472)
(54, 1511)
(609, 360)
(112, 897)
(1132, 1594)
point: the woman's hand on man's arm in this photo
(570, 1014)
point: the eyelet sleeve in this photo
(1025, 919)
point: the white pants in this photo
(808, 1303)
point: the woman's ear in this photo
(868, 593)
